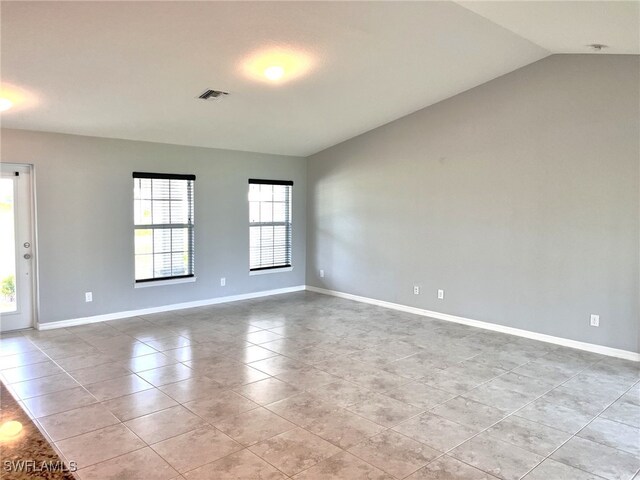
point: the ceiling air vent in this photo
(597, 47)
(212, 95)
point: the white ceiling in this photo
(133, 69)
(568, 26)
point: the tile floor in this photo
(307, 386)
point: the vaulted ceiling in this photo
(134, 70)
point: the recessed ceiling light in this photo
(5, 104)
(274, 72)
(16, 98)
(277, 65)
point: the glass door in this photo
(16, 251)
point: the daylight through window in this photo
(164, 226)
(269, 224)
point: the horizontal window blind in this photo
(269, 224)
(163, 225)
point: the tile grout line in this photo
(386, 428)
(381, 393)
(446, 453)
(574, 434)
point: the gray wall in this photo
(519, 198)
(85, 220)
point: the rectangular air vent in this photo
(212, 95)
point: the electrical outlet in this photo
(416, 290)
(321, 273)
(440, 294)
(595, 320)
(223, 281)
(88, 296)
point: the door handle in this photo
(27, 256)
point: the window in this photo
(269, 224)
(163, 231)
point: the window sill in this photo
(159, 283)
(271, 270)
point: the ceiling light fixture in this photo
(5, 104)
(16, 99)
(277, 65)
(274, 72)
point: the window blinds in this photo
(269, 224)
(164, 226)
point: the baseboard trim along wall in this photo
(565, 342)
(74, 322)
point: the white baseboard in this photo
(565, 342)
(589, 347)
(73, 322)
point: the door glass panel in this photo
(7, 247)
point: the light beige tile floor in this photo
(308, 386)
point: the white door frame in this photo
(28, 168)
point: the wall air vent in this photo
(212, 95)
